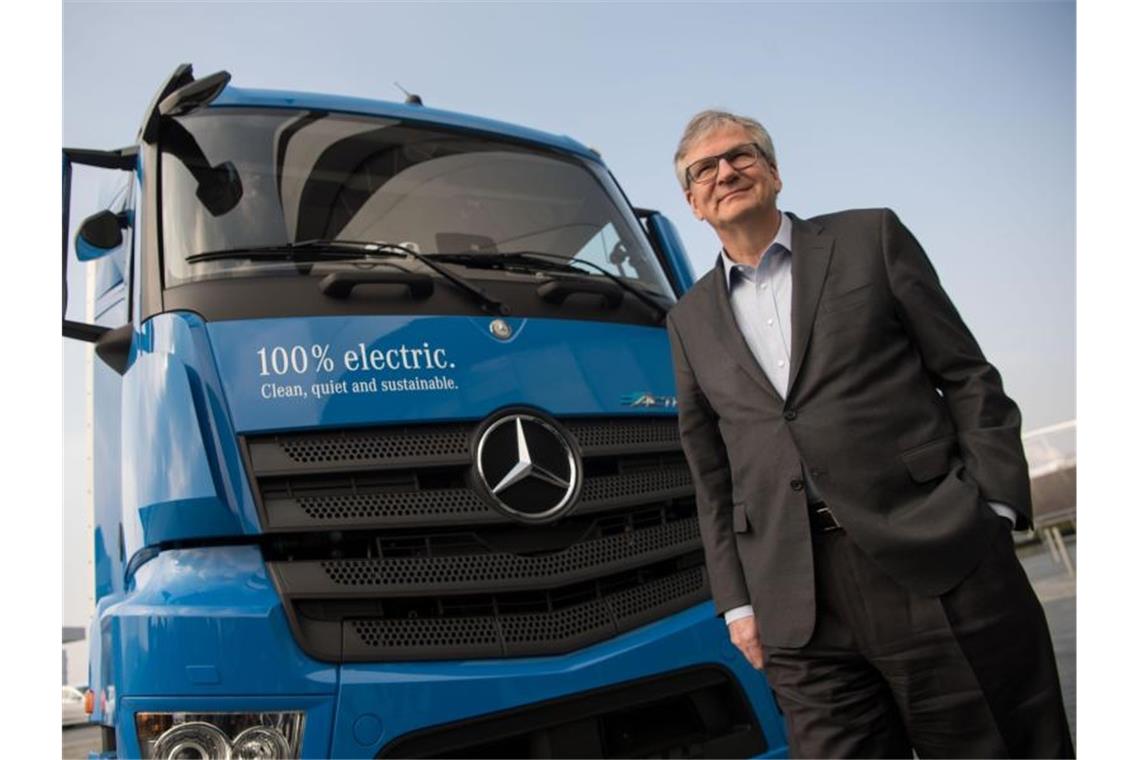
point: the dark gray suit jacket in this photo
(891, 408)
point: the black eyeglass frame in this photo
(760, 154)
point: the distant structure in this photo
(1052, 456)
(70, 633)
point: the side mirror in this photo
(99, 234)
(219, 188)
(194, 95)
(664, 237)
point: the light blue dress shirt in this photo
(761, 299)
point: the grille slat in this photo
(438, 445)
(497, 571)
(598, 437)
(400, 509)
(558, 631)
(366, 449)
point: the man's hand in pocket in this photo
(745, 635)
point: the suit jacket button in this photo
(797, 485)
(790, 415)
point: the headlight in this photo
(220, 736)
(262, 742)
(192, 740)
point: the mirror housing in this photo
(219, 188)
(180, 94)
(664, 237)
(99, 234)
(194, 95)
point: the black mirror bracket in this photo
(114, 347)
(83, 331)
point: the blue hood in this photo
(346, 371)
(194, 387)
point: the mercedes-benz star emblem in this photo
(528, 467)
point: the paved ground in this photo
(1058, 594)
(1056, 590)
(79, 740)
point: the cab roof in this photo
(237, 96)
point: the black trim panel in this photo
(695, 712)
(300, 295)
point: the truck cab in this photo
(385, 445)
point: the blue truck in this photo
(386, 461)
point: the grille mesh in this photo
(461, 502)
(443, 501)
(610, 487)
(432, 632)
(401, 443)
(501, 566)
(636, 601)
(607, 433)
(434, 441)
(588, 621)
(556, 626)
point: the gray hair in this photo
(707, 121)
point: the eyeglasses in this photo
(740, 157)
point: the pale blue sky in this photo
(960, 116)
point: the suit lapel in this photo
(811, 256)
(731, 337)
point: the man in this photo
(858, 471)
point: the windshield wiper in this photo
(304, 251)
(309, 251)
(539, 260)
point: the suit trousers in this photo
(970, 673)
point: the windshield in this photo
(234, 179)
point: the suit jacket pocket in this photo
(739, 519)
(931, 459)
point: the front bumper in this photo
(203, 630)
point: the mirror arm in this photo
(125, 159)
(183, 75)
(113, 346)
(83, 331)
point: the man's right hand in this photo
(746, 637)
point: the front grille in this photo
(381, 549)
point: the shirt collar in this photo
(783, 238)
